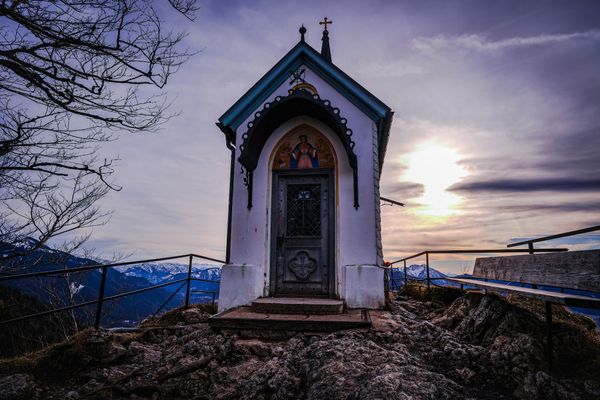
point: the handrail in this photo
(474, 251)
(556, 236)
(88, 303)
(101, 297)
(426, 253)
(207, 258)
(96, 266)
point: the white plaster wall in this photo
(356, 230)
(363, 286)
(240, 284)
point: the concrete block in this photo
(240, 284)
(363, 286)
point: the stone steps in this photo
(290, 314)
(298, 305)
(246, 319)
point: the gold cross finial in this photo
(325, 22)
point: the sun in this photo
(436, 167)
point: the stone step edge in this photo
(220, 321)
(298, 308)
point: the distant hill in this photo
(28, 336)
(156, 273)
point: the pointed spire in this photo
(325, 50)
(302, 31)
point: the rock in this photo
(477, 347)
(194, 316)
(72, 395)
(465, 374)
(254, 347)
(116, 352)
(17, 387)
(593, 388)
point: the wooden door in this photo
(302, 254)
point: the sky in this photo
(496, 134)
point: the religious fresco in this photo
(304, 149)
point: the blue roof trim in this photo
(300, 54)
(262, 89)
(347, 86)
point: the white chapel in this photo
(307, 148)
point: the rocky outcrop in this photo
(477, 347)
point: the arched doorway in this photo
(303, 215)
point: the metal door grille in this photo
(303, 216)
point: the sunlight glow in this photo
(436, 168)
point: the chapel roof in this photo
(303, 54)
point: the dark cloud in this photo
(575, 153)
(545, 208)
(402, 190)
(530, 185)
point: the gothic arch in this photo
(318, 150)
(282, 109)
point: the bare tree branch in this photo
(73, 73)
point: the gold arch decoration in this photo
(304, 86)
(304, 148)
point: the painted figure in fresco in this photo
(283, 156)
(304, 155)
(325, 156)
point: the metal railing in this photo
(530, 242)
(530, 250)
(102, 298)
(426, 253)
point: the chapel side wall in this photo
(376, 196)
(248, 230)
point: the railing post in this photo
(531, 251)
(100, 298)
(405, 277)
(427, 264)
(549, 350)
(388, 280)
(189, 280)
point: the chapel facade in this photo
(307, 146)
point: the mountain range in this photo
(63, 290)
(157, 273)
(418, 272)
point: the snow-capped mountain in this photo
(420, 272)
(164, 272)
(23, 249)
